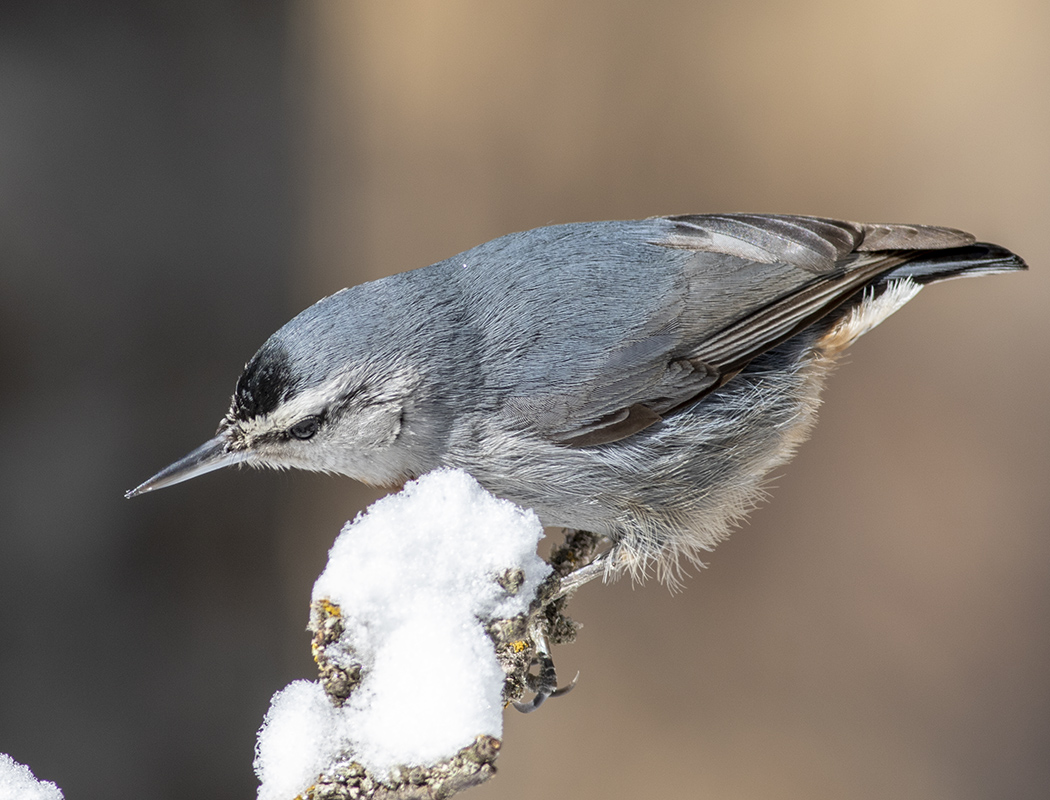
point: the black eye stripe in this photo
(305, 428)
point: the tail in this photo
(893, 289)
(981, 258)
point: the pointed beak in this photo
(209, 456)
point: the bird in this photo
(636, 379)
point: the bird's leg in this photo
(578, 561)
(575, 563)
(585, 574)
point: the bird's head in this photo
(309, 400)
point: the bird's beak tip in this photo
(142, 488)
(211, 455)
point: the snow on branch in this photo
(426, 622)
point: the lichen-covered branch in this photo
(469, 767)
(433, 615)
(518, 642)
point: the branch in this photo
(427, 622)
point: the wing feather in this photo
(756, 281)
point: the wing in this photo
(748, 283)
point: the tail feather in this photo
(981, 258)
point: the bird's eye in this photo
(305, 428)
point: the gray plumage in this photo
(636, 379)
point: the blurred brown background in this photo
(178, 179)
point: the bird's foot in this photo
(545, 682)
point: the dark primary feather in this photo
(980, 258)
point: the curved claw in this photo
(546, 684)
(532, 705)
(564, 690)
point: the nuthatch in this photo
(634, 379)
